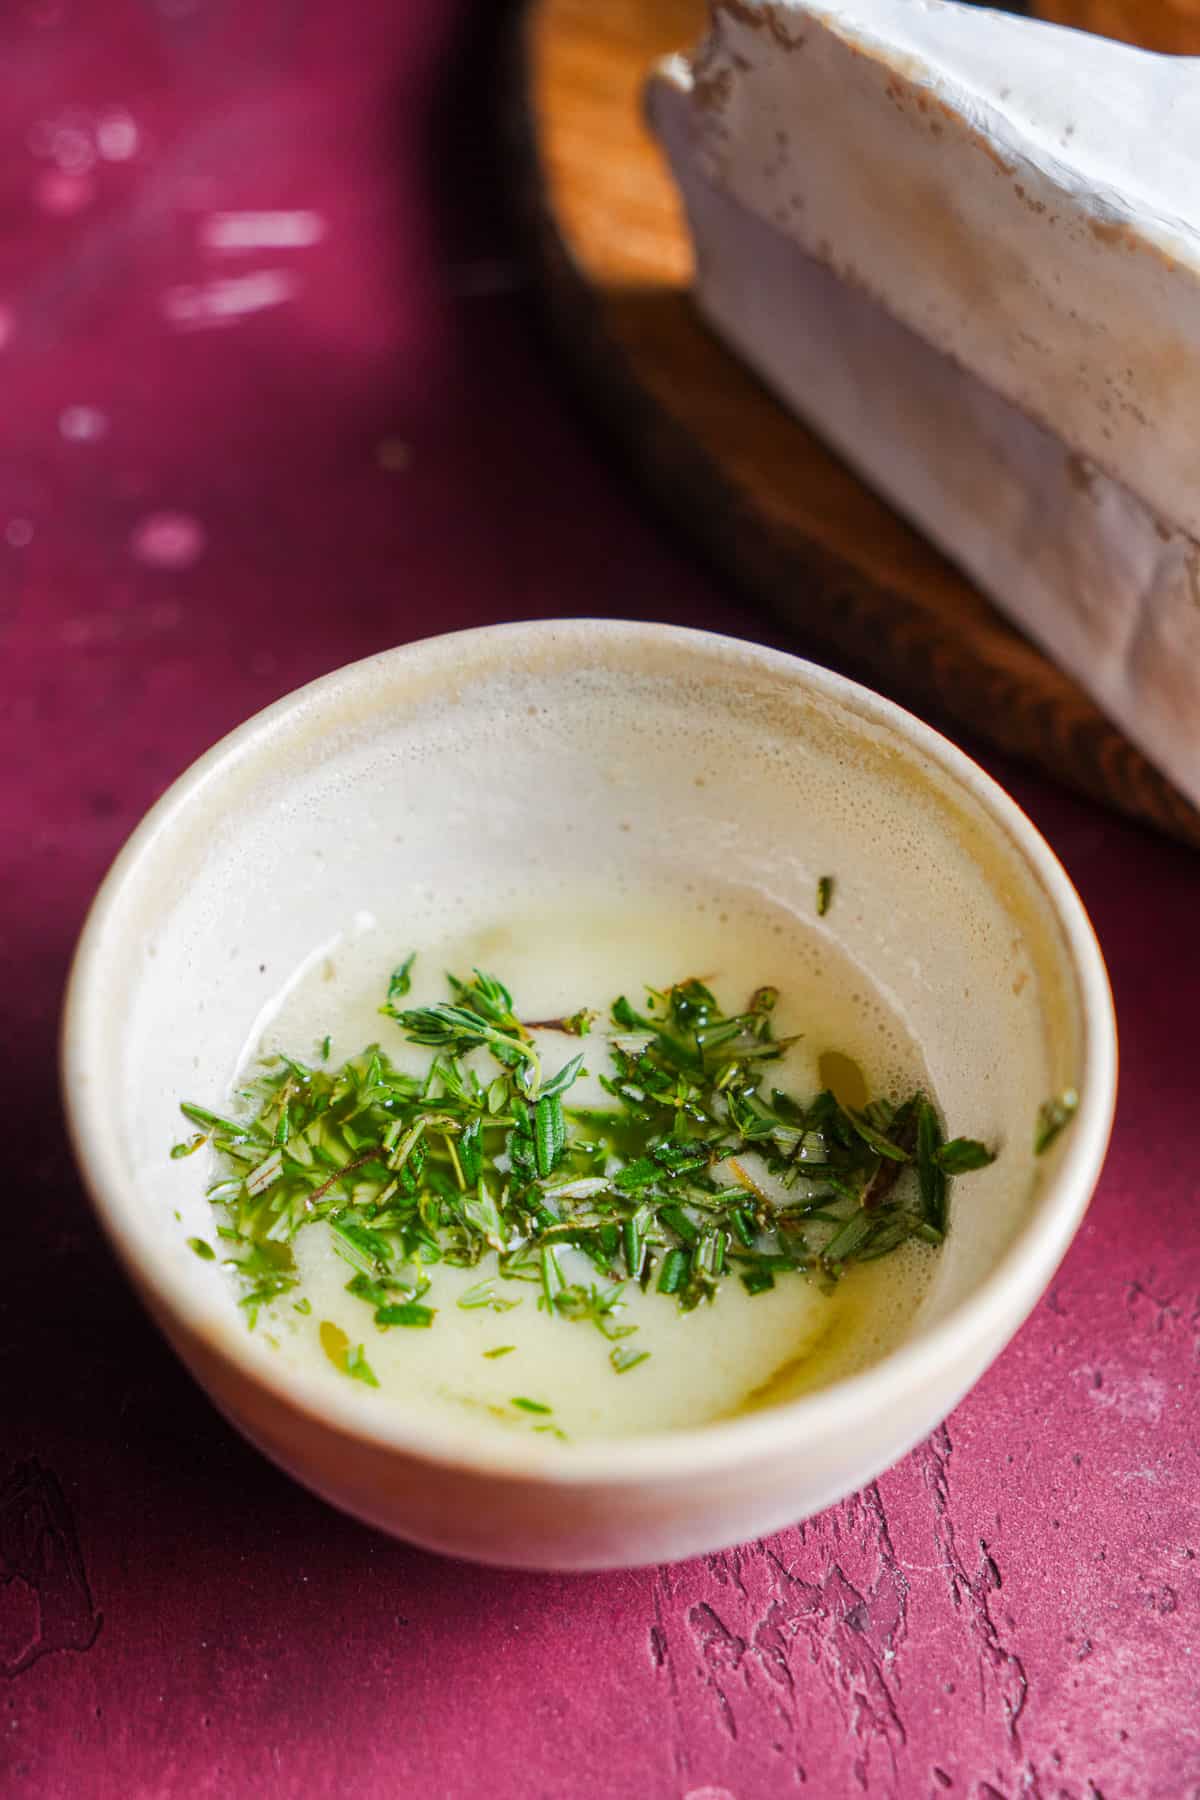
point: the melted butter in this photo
(743, 1353)
(334, 1343)
(842, 1075)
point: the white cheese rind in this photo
(1108, 587)
(1024, 197)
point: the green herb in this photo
(848, 1240)
(359, 1368)
(575, 1025)
(824, 895)
(674, 1271)
(882, 1146)
(531, 1406)
(407, 1313)
(579, 1023)
(484, 1294)
(302, 1306)
(203, 1250)
(963, 1155)
(350, 1361)
(552, 1277)
(930, 1173)
(1053, 1117)
(500, 1350)
(550, 1132)
(401, 982)
(758, 1281)
(363, 1249)
(697, 1168)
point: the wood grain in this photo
(1171, 25)
(771, 506)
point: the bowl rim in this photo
(991, 1315)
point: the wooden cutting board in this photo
(1170, 25)
(773, 508)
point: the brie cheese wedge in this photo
(965, 246)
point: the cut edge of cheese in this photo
(1024, 197)
(1106, 584)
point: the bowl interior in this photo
(553, 756)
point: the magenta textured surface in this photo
(273, 400)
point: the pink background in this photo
(236, 451)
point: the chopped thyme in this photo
(484, 1294)
(1053, 1118)
(963, 1155)
(401, 982)
(500, 1350)
(203, 1250)
(577, 1025)
(824, 895)
(359, 1368)
(694, 1169)
(531, 1406)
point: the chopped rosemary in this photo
(695, 1168)
(758, 1281)
(1053, 1118)
(409, 1312)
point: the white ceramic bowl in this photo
(667, 747)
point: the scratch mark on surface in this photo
(40, 1558)
(660, 1650)
(845, 1619)
(774, 1646)
(722, 1652)
(1163, 1308)
(972, 1591)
